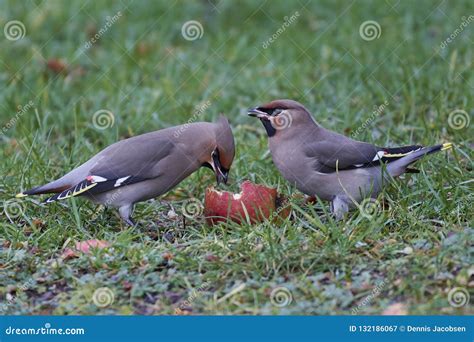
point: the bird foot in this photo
(126, 215)
(131, 222)
(339, 207)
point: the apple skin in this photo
(255, 200)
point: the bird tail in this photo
(398, 167)
(53, 187)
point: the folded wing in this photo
(331, 155)
(120, 165)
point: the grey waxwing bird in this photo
(146, 166)
(326, 164)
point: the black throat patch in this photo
(268, 127)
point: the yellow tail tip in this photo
(20, 195)
(446, 146)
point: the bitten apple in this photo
(255, 202)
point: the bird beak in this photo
(255, 112)
(221, 174)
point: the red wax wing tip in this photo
(258, 202)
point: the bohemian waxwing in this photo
(146, 166)
(329, 165)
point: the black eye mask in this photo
(271, 111)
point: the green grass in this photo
(150, 77)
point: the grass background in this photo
(150, 77)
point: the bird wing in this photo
(344, 153)
(126, 162)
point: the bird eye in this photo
(277, 111)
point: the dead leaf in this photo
(167, 256)
(211, 257)
(38, 223)
(127, 285)
(396, 309)
(56, 65)
(143, 48)
(84, 247)
(407, 250)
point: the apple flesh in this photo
(254, 203)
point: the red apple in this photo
(258, 202)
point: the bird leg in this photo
(339, 207)
(126, 214)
